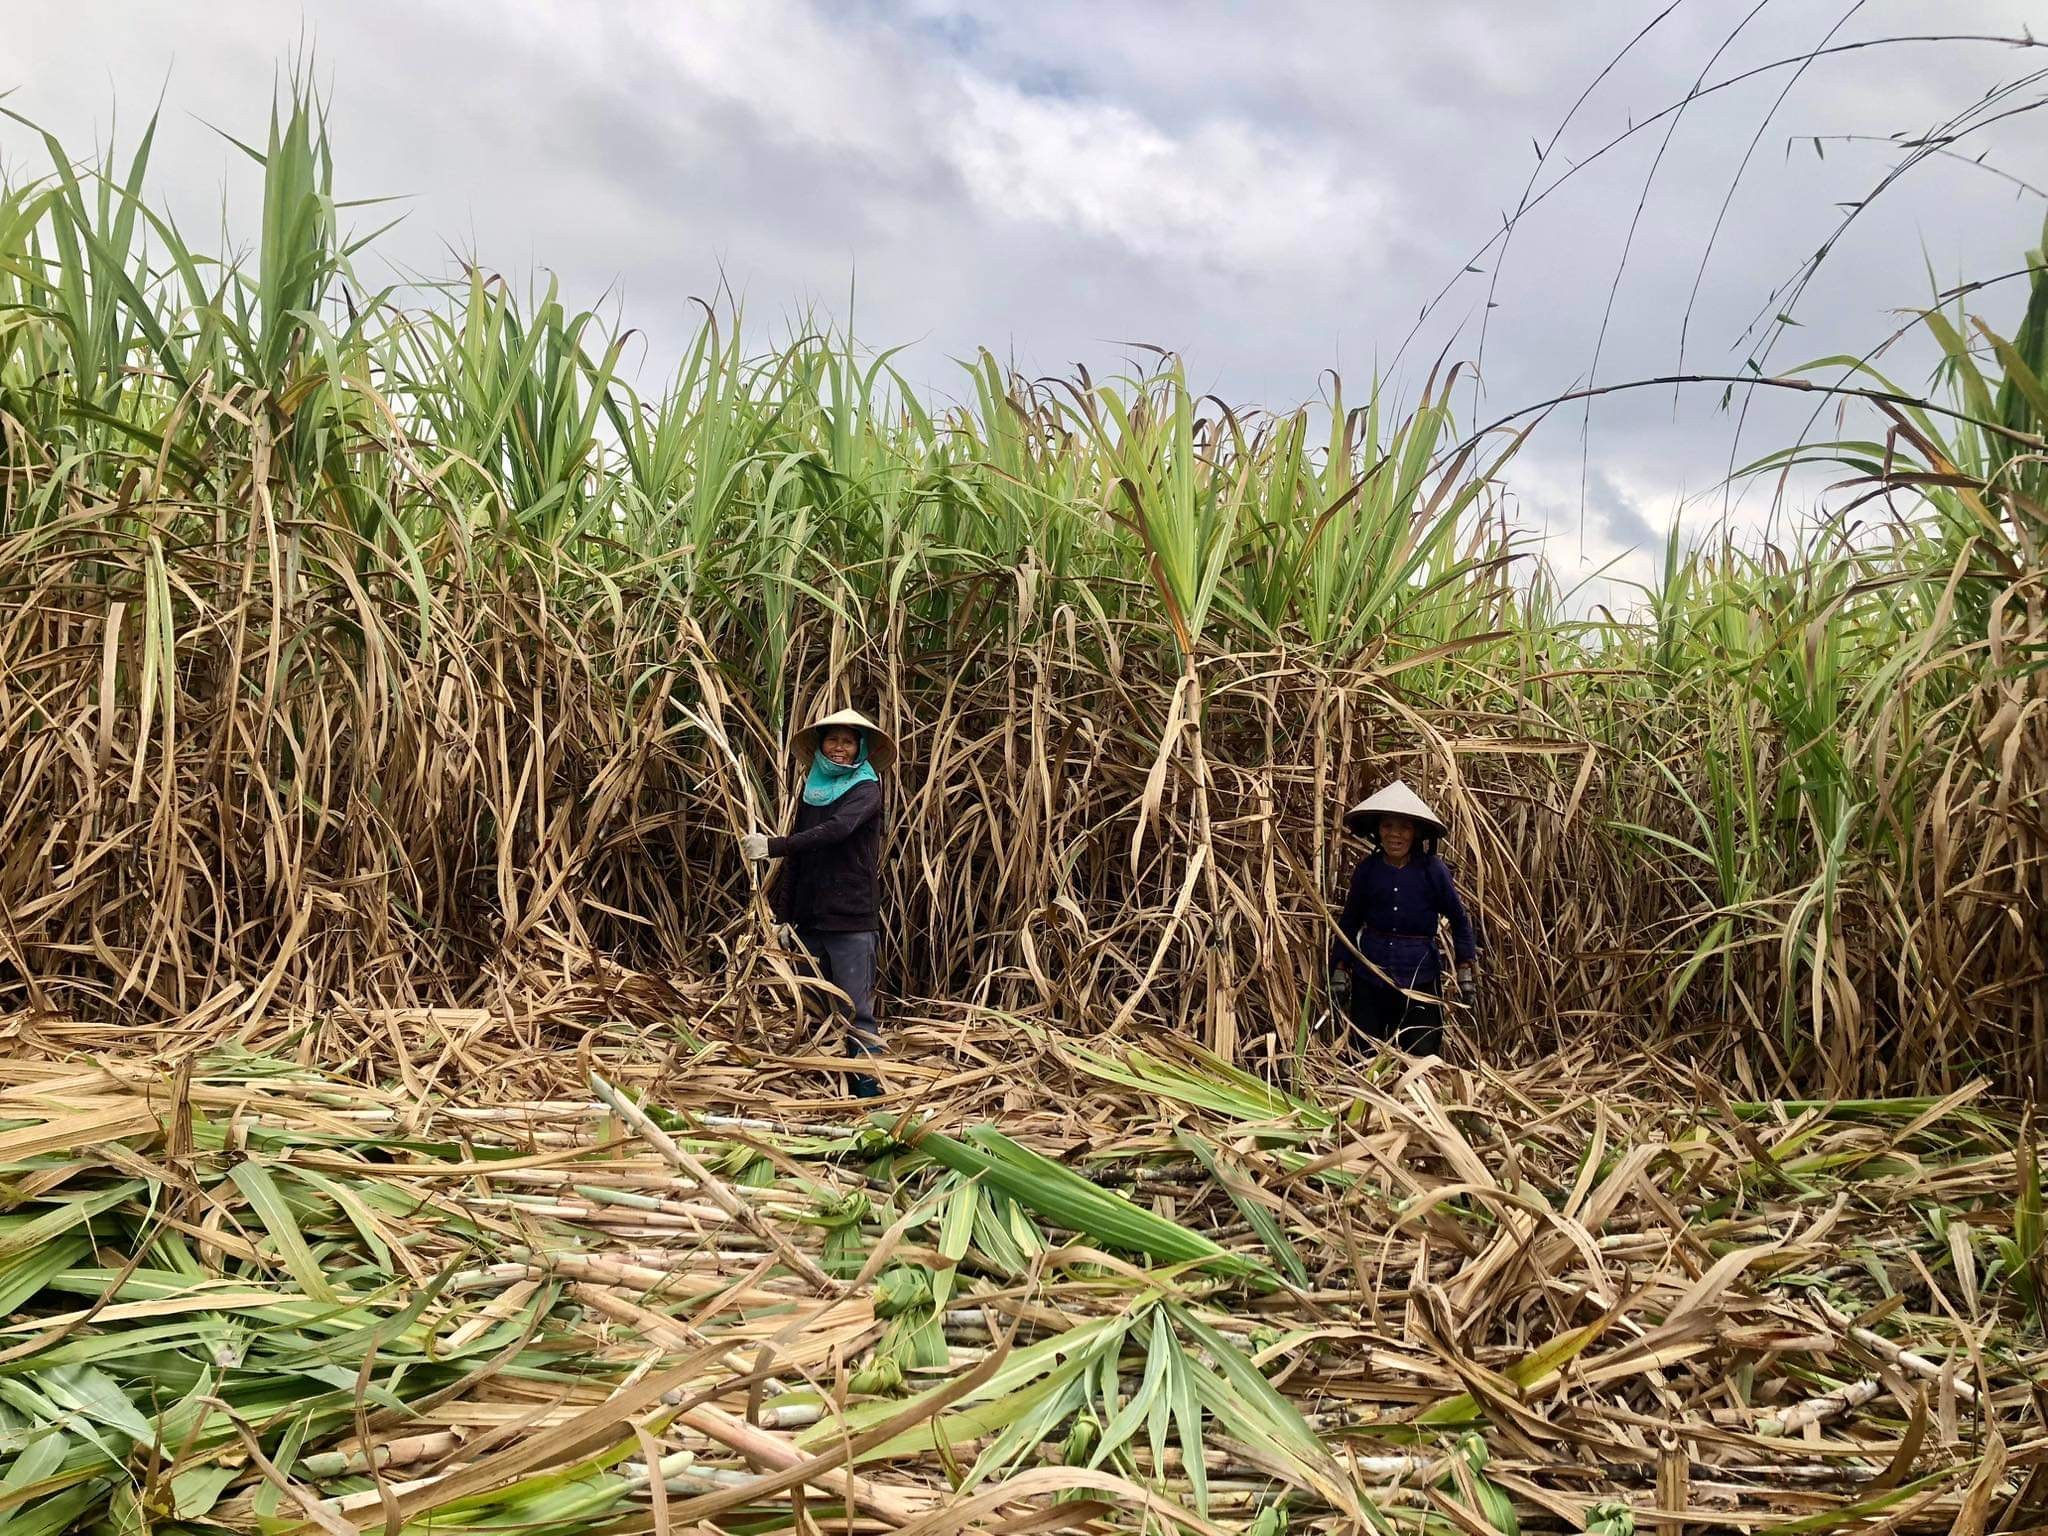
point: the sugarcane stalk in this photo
(1816, 1410)
(756, 819)
(1905, 1359)
(653, 1326)
(407, 1451)
(789, 1415)
(712, 1185)
(772, 1451)
(371, 1498)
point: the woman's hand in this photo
(754, 845)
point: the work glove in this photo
(1340, 988)
(755, 846)
(785, 936)
(1468, 993)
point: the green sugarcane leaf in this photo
(32, 1472)
(194, 1493)
(1158, 1391)
(1060, 1395)
(1187, 1419)
(980, 1413)
(1852, 1514)
(1135, 1411)
(1467, 1473)
(53, 1508)
(1140, 1071)
(260, 1189)
(26, 1274)
(1067, 1199)
(20, 1237)
(956, 1231)
(42, 1408)
(1254, 1211)
(1527, 1373)
(354, 1208)
(1282, 1420)
(184, 1421)
(1275, 1445)
(91, 1391)
(2026, 1253)
(996, 1224)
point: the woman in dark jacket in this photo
(829, 888)
(1399, 893)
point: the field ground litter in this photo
(665, 1272)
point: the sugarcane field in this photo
(718, 925)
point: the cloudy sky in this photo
(1272, 189)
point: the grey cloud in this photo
(1625, 525)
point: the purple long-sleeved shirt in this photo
(1397, 910)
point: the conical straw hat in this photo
(881, 750)
(1397, 799)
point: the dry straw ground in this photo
(252, 1294)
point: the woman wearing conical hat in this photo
(1399, 893)
(829, 887)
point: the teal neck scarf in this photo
(827, 781)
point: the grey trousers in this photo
(847, 960)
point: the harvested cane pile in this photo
(683, 1287)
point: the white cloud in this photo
(800, 74)
(1601, 541)
(1225, 194)
(1220, 194)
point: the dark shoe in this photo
(865, 1087)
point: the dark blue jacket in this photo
(1391, 915)
(831, 871)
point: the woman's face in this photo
(840, 746)
(1397, 836)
